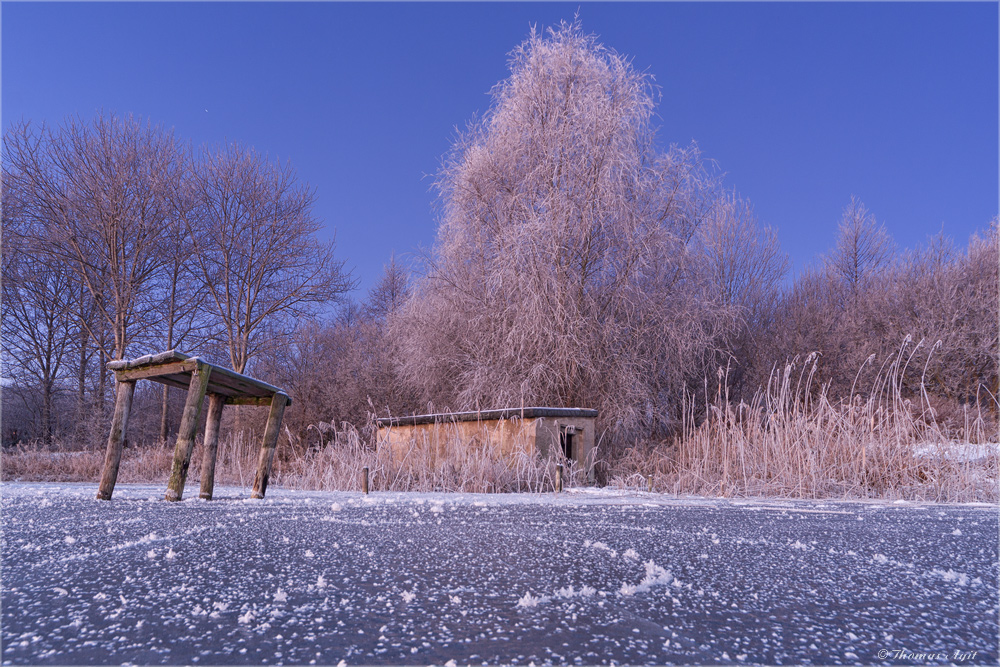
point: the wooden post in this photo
(364, 481)
(116, 440)
(186, 432)
(559, 478)
(649, 483)
(271, 431)
(214, 418)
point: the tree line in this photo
(119, 239)
(578, 262)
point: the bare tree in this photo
(183, 293)
(745, 267)
(256, 249)
(864, 249)
(562, 272)
(744, 260)
(100, 194)
(37, 330)
(391, 291)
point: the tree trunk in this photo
(81, 377)
(164, 417)
(47, 410)
(102, 372)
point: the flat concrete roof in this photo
(486, 415)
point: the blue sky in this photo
(802, 105)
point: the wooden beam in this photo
(150, 372)
(271, 432)
(226, 377)
(116, 440)
(249, 400)
(180, 381)
(215, 404)
(186, 433)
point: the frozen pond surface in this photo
(585, 578)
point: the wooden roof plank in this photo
(174, 368)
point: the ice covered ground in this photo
(582, 578)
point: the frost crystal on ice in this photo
(530, 600)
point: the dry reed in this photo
(793, 441)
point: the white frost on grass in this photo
(280, 596)
(320, 582)
(630, 554)
(171, 554)
(408, 596)
(70, 540)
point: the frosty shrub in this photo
(563, 273)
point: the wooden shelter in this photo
(223, 386)
(544, 431)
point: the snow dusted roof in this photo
(487, 415)
(174, 368)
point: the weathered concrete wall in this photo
(506, 437)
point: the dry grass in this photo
(236, 464)
(790, 441)
(425, 465)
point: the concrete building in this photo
(541, 431)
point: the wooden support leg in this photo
(187, 431)
(215, 405)
(113, 454)
(271, 432)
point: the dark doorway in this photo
(566, 437)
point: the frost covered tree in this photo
(744, 265)
(563, 272)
